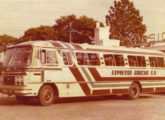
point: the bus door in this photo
(49, 64)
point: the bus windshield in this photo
(20, 56)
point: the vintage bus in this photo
(48, 70)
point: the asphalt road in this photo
(147, 107)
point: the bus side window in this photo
(153, 62)
(109, 60)
(132, 61)
(141, 61)
(94, 59)
(82, 58)
(67, 58)
(119, 60)
(160, 62)
(49, 57)
(79, 58)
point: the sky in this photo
(16, 16)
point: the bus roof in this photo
(85, 47)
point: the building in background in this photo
(102, 37)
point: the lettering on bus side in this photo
(141, 73)
(121, 72)
(136, 72)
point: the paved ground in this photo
(147, 107)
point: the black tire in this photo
(22, 99)
(46, 95)
(134, 91)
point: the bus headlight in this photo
(21, 80)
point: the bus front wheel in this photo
(134, 91)
(46, 95)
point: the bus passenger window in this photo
(141, 61)
(160, 62)
(82, 58)
(119, 60)
(49, 57)
(109, 60)
(67, 58)
(153, 62)
(79, 58)
(93, 59)
(132, 61)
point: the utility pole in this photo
(70, 32)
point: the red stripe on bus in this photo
(119, 91)
(97, 77)
(101, 92)
(58, 45)
(160, 89)
(147, 90)
(77, 46)
(80, 78)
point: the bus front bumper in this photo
(18, 92)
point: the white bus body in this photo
(52, 69)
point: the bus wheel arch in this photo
(138, 82)
(134, 90)
(47, 94)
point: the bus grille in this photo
(9, 80)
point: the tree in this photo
(39, 33)
(7, 40)
(77, 30)
(125, 23)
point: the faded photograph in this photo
(82, 59)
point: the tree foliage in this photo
(81, 29)
(7, 40)
(39, 33)
(125, 23)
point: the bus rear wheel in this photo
(134, 91)
(46, 95)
